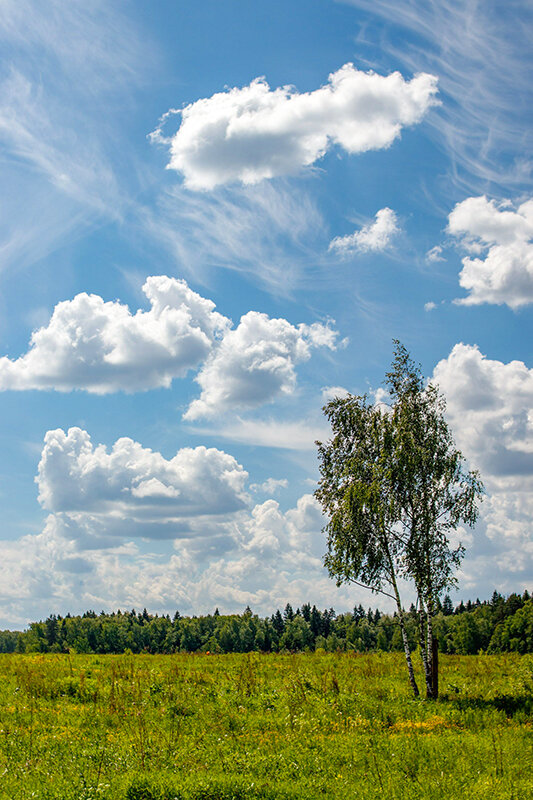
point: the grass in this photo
(262, 726)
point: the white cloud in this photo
(270, 232)
(263, 556)
(229, 555)
(285, 435)
(67, 65)
(434, 255)
(102, 347)
(297, 534)
(374, 237)
(382, 399)
(49, 573)
(29, 136)
(255, 363)
(254, 133)
(94, 39)
(429, 306)
(275, 557)
(270, 486)
(483, 60)
(489, 405)
(266, 531)
(305, 527)
(504, 236)
(133, 491)
(331, 392)
(489, 408)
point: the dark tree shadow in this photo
(509, 704)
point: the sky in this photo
(215, 217)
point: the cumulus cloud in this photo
(502, 239)
(131, 490)
(102, 347)
(331, 392)
(254, 132)
(374, 237)
(275, 557)
(489, 403)
(231, 554)
(295, 533)
(270, 486)
(45, 572)
(489, 407)
(255, 363)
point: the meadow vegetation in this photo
(304, 725)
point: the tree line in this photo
(498, 625)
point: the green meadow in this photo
(324, 725)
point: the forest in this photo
(499, 625)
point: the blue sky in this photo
(214, 217)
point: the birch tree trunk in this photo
(422, 630)
(406, 648)
(433, 658)
(435, 673)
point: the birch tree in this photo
(434, 494)
(393, 487)
(355, 492)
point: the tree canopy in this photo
(497, 625)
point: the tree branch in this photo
(372, 589)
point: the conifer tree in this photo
(447, 606)
(288, 613)
(277, 622)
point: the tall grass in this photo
(262, 726)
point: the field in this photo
(262, 726)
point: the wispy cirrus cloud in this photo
(94, 39)
(275, 433)
(270, 232)
(64, 67)
(481, 53)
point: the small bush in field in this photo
(142, 790)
